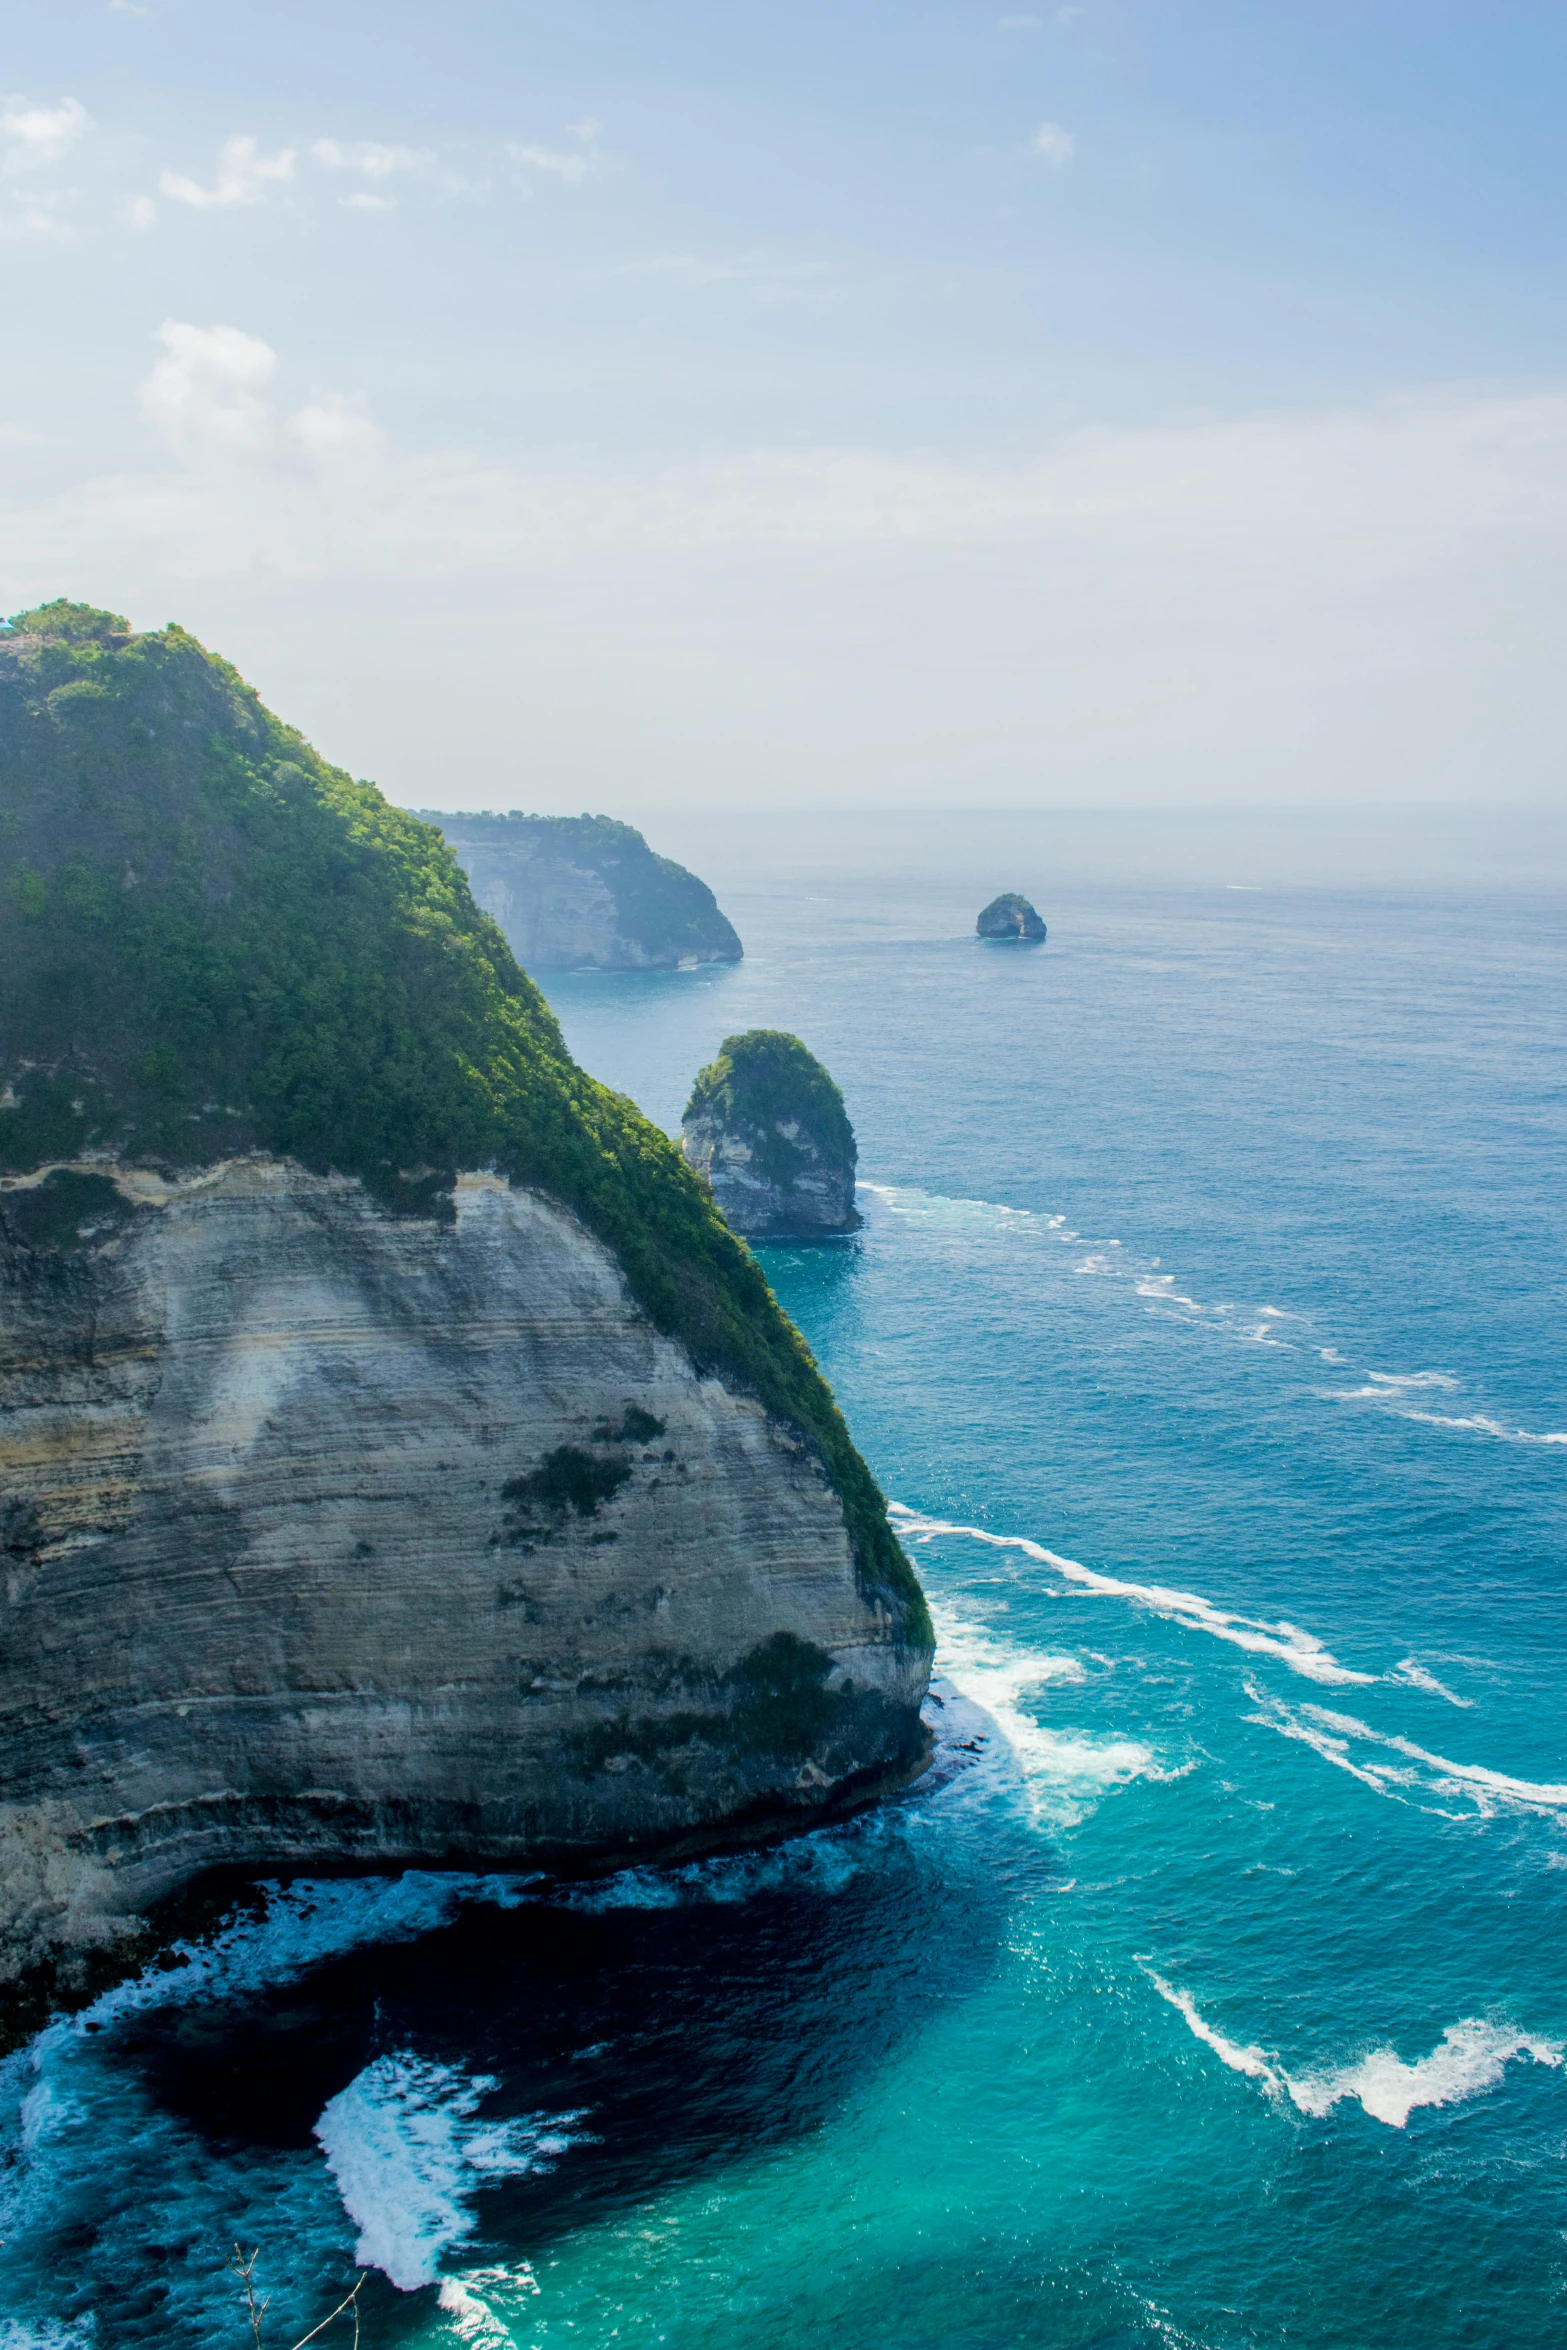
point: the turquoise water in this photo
(1205, 1326)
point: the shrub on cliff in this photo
(212, 941)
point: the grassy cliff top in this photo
(765, 1078)
(211, 941)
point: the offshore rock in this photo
(575, 893)
(767, 1127)
(357, 1510)
(1010, 916)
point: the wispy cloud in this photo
(244, 176)
(1054, 146)
(33, 137)
(381, 164)
(1017, 24)
(571, 165)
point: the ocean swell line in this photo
(1287, 1643)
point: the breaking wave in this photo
(1302, 1651)
(1471, 2057)
(1339, 1740)
(407, 2152)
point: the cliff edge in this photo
(767, 1127)
(400, 1461)
(586, 893)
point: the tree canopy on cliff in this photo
(211, 941)
(765, 1078)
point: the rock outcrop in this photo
(399, 1460)
(1010, 916)
(576, 893)
(767, 1128)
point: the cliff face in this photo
(334, 1535)
(358, 1507)
(767, 1128)
(574, 893)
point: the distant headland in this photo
(586, 893)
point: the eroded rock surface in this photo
(767, 1127)
(338, 1536)
(1010, 916)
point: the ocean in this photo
(1205, 1329)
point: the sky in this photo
(849, 405)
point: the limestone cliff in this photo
(399, 1460)
(575, 893)
(767, 1128)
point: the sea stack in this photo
(586, 893)
(1010, 916)
(767, 1127)
(401, 1462)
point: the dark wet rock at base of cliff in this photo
(1010, 916)
(767, 1127)
(586, 893)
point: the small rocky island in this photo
(586, 893)
(404, 1464)
(1010, 916)
(767, 1127)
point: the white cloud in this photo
(209, 396)
(128, 8)
(33, 137)
(571, 165)
(138, 212)
(205, 395)
(332, 426)
(1055, 145)
(1065, 18)
(244, 175)
(1346, 602)
(1018, 24)
(361, 200)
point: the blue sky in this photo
(856, 403)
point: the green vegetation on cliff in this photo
(765, 1078)
(211, 941)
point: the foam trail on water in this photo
(407, 2153)
(1471, 2057)
(1301, 1651)
(1335, 1735)
(1065, 1770)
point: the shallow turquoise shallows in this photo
(1206, 1326)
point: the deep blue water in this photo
(1214, 1991)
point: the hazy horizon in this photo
(1105, 405)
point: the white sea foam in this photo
(1302, 1651)
(1162, 1286)
(1393, 1391)
(1066, 1770)
(407, 2154)
(483, 2305)
(1471, 2057)
(1418, 1677)
(1338, 1737)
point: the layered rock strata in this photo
(339, 1537)
(767, 1129)
(576, 893)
